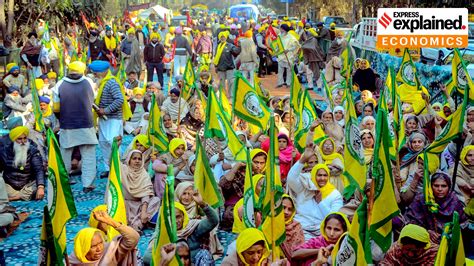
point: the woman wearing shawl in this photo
(134, 59)
(412, 248)
(465, 174)
(367, 138)
(177, 156)
(170, 127)
(368, 109)
(315, 198)
(193, 122)
(334, 161)
(364, 77)
(190, 229)
(140, 142)
(250, 249)
(294, 232)
(333, 129)
(368, 122)
(138, 193)
(287, 154)
(332, 228)
(408, 165)
(339, 116)
(91, 248)
(175, 106)
(188, 172)
(419, 213)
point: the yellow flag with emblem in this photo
(156, 130)
(218, 125)
(296, 90)
(248, 105)
(189, 80)
(460, 79)
(114, 196)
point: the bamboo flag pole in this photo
(272, 210)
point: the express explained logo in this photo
(385, 20)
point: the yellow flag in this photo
(114, 197)
(204, 180)
(296, 90)
(156, 130)
(189, 80)
(166, 225)
(306, 114)
(61, 204)
(50, 252)
(460, 79)
(218, 125)
(248, 105)
(384, 203)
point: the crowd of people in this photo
(90, 94)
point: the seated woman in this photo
(188, 172)
(339, 116)
(334, 161)
(465, 174)
(315, 198)
(180, 249)
(368, 142)
(170, 127)
(333, 129)
(250, 248)
(190, 229)
(419, 212)
(294, 232)
(287, 154)
(183, 194)
(193, 122)
(138, 193)
(90, 247)
(332, 228)
(140, 142)
(408, 164)
(412, 248)
(177, 156)
(239, 225)
(368, 109)
(368, 122)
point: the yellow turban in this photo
(92, 221)
(300, 24)
(223, 33)
(77, 67)
(174, 144)
(464, 153)
(180, 207)
(131, 31)
(92, 25)
(323, 223)
(52, 75)
(9, 66)
(142, 139)
(139, 90)
(82, 242)
(155, 35)
(17, 132)
(415, 232)
(313, 32)
(247, 239)
(172, 29)
(39, 83)
(248, 34)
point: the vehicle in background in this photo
(340, 22)
(244, 12)
(176, 21)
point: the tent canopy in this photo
(158, 10)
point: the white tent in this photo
(158, 10)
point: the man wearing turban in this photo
(73, 97)
(23, 170)
(183, 50)
(14, 77)
(153, 56)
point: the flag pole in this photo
(272, 210)
(456, 164)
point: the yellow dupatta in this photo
(327, 189)
(330, 157)
(110, 43)
(220, 49)
(126, 112)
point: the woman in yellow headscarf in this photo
(239, 225)
(250, 249)
(332, 228)
(91, 248)
(140, 142)
(177, 156)
(334, 161)
(294, 232)
(465, 173)
(413, 246)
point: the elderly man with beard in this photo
(72, 102)
(112, 105)
(22, 166)
(15, 78)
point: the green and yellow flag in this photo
(354, 249)
(249, 195)
(328, 92)
(306, 114)
(165, 229)
(296, 90)
(189, 80)
(273, 225)
(248, 105)
(218, 125)
(346, 58)
(39, 123)
(273, 42)
(156, 129)
(451, 248)
(61, 203)
(354, 167)
(407, 72)
(114, 196)
(460, 79)
(50, 252)
(385, 204)
(204, 180)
